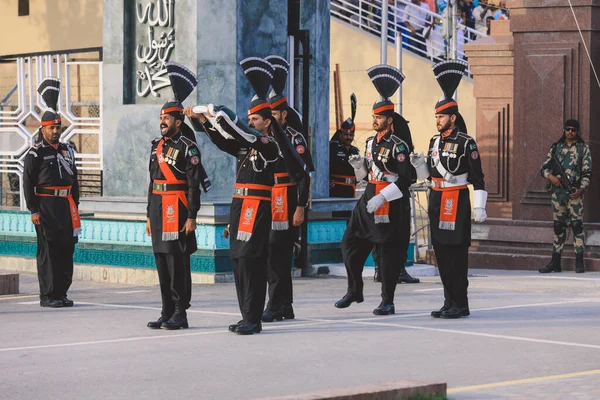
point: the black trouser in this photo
(250, 275)
(54, 266)
(453, 264)
(175, 282)
(390, 257)
(279, 273)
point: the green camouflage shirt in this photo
(576, 160)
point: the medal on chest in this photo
(171, 156)
(253, 156)
(450, 150)
(383, 155)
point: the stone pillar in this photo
(553, 82)
(314, 16)
(492, 62)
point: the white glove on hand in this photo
(479, 215)
(375, 203)
(418, 161)
(356, 161)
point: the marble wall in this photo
(211, 37)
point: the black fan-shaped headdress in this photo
(260, 74)
(183, 82)
(387, 80)
(348, 125)
(448, 74)
(281, 67)
(49, 89)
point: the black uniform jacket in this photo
(184, 160)
(339, 168)
(255, 166)
(459, 155)
(47, 166)
(388, 157)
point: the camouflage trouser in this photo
(564, 212)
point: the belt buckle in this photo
(63, 192)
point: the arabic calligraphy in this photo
(153, 56)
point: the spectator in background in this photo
(481, 14)
(502, 13)
(434, 40)
(441, 5)
(416, 17)
(488, 23)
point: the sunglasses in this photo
(570, 129)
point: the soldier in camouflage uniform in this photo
(574, 156)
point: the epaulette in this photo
(36, 146)
(156, 140)
(369, 138)
(464, 135)
(187, 141)
(396, 139)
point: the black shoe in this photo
(455, 312)
(349, 299)
(177, 321)
(376, 277)
(248, 328)
(272, 315)
(554, 265)
(53, 303)
(385, 309)
(579, 265)
(233, 327)
(156, 324)
(406, 278)
(438, 313)
(288, 312)
(66, 302)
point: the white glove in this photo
(375, 202)
(479, 202)
(418, 161)
(479, 215)
(356, 161)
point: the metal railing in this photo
(427, 42)
(80, 105)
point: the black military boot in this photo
(233, 327)
(406, 278)
(554, 265)
(157, 324)
(249, 328)
(348, 299)
(288, 312)
(53, 303)
(67, 302)
(177, 321)
(385, 309)
(579, 266)
(270, 315)
(376, 277)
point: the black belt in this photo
(251, 192)
(167, 187)
(52, 192)
(348, 181)
(282, 179)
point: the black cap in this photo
(387, 80)
(572, 123)
(49, 89)
(183, 82)
(260, 74)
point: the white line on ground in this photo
(30, 302)
(428, 290)
(133, 291)
(153, 308)
(572, 278)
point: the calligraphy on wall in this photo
(153, 55)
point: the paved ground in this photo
(529, 337)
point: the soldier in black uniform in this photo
(52, 195)
(342, 182)
(173, 202)
(250, 216)
(453, 162)
(381, 218)
(289, 198)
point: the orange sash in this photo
(343, 179)
(448, 205)
(279, 204)
(382, 214)
(170, 203)
(252, 194)
(75, 218)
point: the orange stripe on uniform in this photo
(383, 108)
